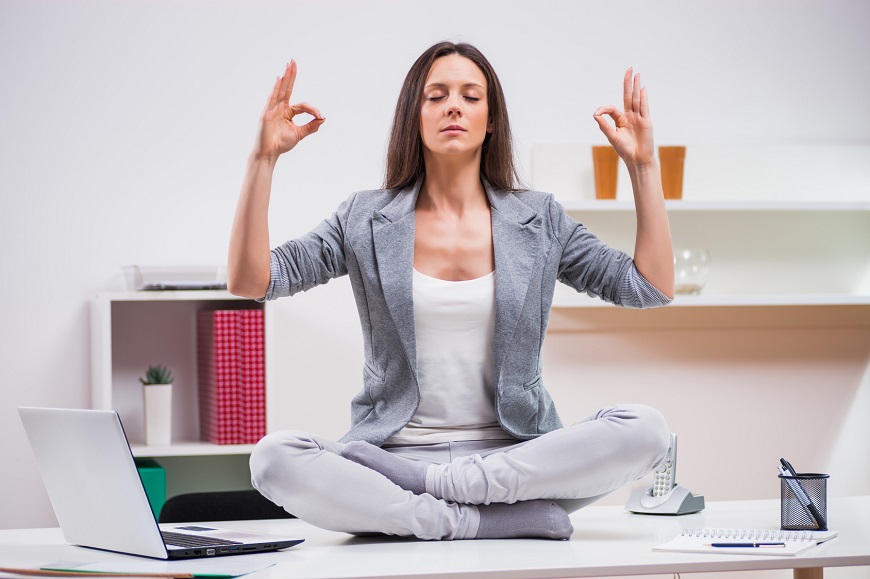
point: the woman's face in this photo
(454, 114)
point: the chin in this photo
(455, 149)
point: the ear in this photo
(489, 126)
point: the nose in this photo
(453, 107)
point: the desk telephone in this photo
(665, 496)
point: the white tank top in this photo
(454, 323)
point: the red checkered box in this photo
(252, 368)
(218, 347)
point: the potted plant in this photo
(157, 398)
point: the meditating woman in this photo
(453, 268)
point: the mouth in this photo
(452, 129)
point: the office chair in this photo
(220, 506)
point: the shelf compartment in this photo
(757, 175)
(135, 329)
(765, 253)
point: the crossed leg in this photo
(360, 488)
(590, 458)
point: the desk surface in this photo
(607, 541)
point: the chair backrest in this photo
(220, 506)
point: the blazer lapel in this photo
(516, 237)
(393, 234)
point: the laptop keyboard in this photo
(184, 540)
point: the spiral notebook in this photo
(701, 540)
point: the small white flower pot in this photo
(158, 413)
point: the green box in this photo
(154, 480)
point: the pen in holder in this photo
(804, 501)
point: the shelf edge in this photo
(190, 449)
(170, 295)
(619, 206)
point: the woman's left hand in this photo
(632, 137)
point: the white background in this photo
(124, 128)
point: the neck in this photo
(451, 184)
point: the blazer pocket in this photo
(533, 383)
(369, 373)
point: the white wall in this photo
(125, 127)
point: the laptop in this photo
(98, 496)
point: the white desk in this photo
(607, 541)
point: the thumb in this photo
(312, 126)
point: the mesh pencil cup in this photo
(804, 502)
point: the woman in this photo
(453, 270)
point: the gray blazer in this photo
(370, 237)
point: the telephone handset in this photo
(665, 496)
(665, 474)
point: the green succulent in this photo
(157, 375)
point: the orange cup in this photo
(605, 163)
(672, 161)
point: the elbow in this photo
(235, 288)
(665, 285)
(243, 286)
(659, 275)
(248, 277)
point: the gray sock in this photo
(408, 474)
(538, 519)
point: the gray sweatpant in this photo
(576, 465)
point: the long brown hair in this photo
(405, 150)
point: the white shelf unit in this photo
(132, 330)
(764, 253)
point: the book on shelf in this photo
(745, 541)
(231, 365)
(218, 371)
(252, 370)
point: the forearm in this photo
(653, 250)
(248, 259)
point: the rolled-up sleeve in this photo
(310, 260)
(589, 265)
(637, 292)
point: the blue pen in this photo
(749, 545)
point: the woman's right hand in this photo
(278, 133)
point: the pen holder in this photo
(804, 502)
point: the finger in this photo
(273, 96)
(644, 103)
(626, 90)
(287, 82)
(609, 130)
(300, 108)
(635, 94)
(311, 127)
(611, 111)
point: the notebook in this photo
(701, 540)
(98, 496)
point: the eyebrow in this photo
(444, 85)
